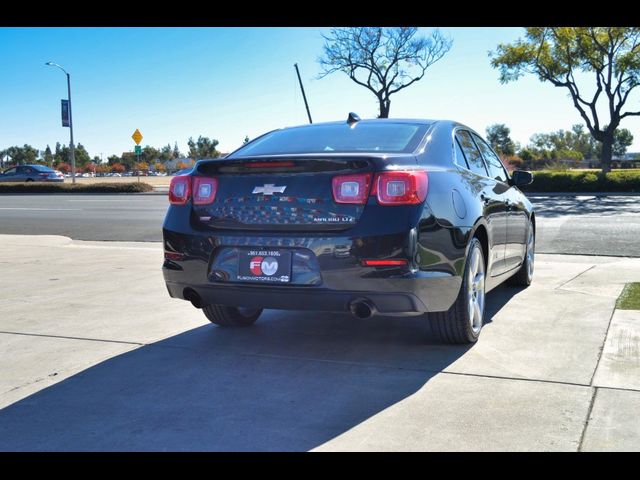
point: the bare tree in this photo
(383, 60)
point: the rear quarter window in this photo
(496, 169)
(471, 153)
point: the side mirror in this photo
(521, 177)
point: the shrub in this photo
(37, 187)
(584, 181)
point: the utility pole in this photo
(303, 95)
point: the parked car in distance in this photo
(31, 173)
(387, 216)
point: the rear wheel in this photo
(463, 321)
(525, 274)
(231, 316)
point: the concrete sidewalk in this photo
(96, 356)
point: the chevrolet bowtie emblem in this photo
(269, 189)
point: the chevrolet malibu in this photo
(374, 217)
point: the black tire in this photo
(231, 316)
(524, 275)
(455, 325)
(29, 180)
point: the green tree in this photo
(48, 156)
(59, 156)
(204, 147)
(608, 55)
(113, 159)
(22, 155)
(384, 60)
(498, 136)
(81, 155)
(622, 139)
(166, 153)
(176, 151)
(149, 154)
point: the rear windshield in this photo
(42, 168)
(361, 137)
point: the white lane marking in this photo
(99, 201)
(48, 209)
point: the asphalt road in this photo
(582, 225)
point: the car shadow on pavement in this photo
(292, 382)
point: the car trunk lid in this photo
(281, 193)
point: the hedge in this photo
(584, 181)
(42, 187)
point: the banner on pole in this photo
(65, 113)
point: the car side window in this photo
(496, 169)
(11, 171)
(471, 153)
(21, 170)
(460, 158)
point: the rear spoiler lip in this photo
(378, 161)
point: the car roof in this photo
(414, 121)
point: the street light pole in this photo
(71, 145)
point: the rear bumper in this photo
(292, 298)
(341, 280)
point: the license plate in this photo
(273, 266)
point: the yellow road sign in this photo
(137, 137)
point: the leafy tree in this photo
(166, 153)
(149, 154)
(159, 167)
(48, 156)
(58, 156)
(113, 159)
(142, 166)
(128, 159)
(176, 151)
(611, 55)
(204, 147)
(22, 155)
(181, 166)
(383, 60)
(81, 155)
(103, 168)
(63, 167)
(498, 136)
(622, 139)
(117, 168)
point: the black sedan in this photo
(31, 173)
(373, 217)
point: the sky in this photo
(227, 83)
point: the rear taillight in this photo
(180, 190)
(204, 190)
(401, 188)
(351, 188)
